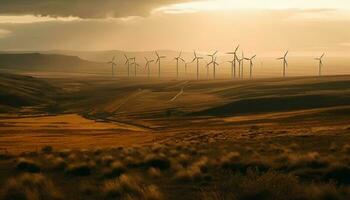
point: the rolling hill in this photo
(49, 62)
(17, 91)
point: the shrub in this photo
(27, 165)
(154, 172)
(230, 159)
(30, 187)
(115, 170)
(47, 149)
(106, 160)
(339, 173)
(79, 169)
(59, 164)
(157, 161)
(151, 192)
(308, 160)
(127, 187)
(184, 159)
(193, 172)
(64, 153)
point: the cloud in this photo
(259, 32)
(83, 8)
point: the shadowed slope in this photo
(17, 91)
(276, 104)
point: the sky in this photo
(306, 27)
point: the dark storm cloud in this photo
(82, 8)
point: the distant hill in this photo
(95, 62)
(48, 62)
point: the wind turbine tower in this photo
(127, 62)
(148, 62)
(114, 64)
(285, 63)
(196, 58)
(251, 65)
(177, 64)
(233, 63)
(214, 63)
(320, 64)
(158, 61)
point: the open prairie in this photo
(113, 138)
(100, 111)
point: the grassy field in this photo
(112, 138)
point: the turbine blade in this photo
(286, 54)
(236, 48)
(253, 57)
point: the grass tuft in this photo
(26, 165)
(30, 187)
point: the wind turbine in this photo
(186, 64)
(320, 64)
(127, 62)
(196, 58)
(177, 63)
(135, 65)
(212, 55)
(158, 61)
(251, 64)
(233, 65)
(113, 65)
(242, 65)
(285, 63)
(240, 62)
(212, 59)
(148, 62)
(207, 66)
(214, 65)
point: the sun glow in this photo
(217, 5)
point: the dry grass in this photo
(253, 171)
(128, 187)
(30, 187)
(27, 165)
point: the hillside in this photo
(48, 62)
(18, 91)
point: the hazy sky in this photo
(260, 26)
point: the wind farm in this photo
(181, 99)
